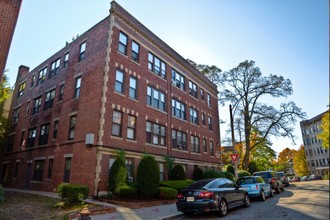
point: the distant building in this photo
(9, 11)
(116, 86)
(317, 157)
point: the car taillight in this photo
(205, 195)
(257, 187)
(180, 196)
(273, 180)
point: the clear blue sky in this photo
(284, 37)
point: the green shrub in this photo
(129, 191)
(230, 168)
(148, 177)
(213, 174)
(72, 193)
(242, 173)
(117, 176)
(325, 177)
(198, 173)
(167, 193)
(176, 184)
(178, 173)
(229, 175)
(2, 194)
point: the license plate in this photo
(190, 199)
(246, 187)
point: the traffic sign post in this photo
(234, 157)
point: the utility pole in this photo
(233, 139)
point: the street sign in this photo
(234, 157)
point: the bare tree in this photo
(245, 87)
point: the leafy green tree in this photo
(299, 162)
(213, 73)
(230, 168)
(244, 88)
(117, 176)
(169, 165)
(198, 173)
(4, 95)
(148, 177)
(283, 160)
(325, 126)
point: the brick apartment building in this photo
(9, 11)
(317, 157)
(116, 86)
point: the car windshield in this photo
(280, 174)
(246, 181)
(199, 184)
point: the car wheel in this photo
(262, 196)
(246, 201)
(223, 208)
(271, 193)
(277, 189)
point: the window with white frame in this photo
(135, 51)
(16, 115)
(209, 119)
(132, 87)
(42, 76)
(119, 83)
(54, 68)
(49, 100)
(36, 105)
(155, 133)
(208, 100)
(194, 141)
(82, 51)
(72, 126)
(117, 120)
(156, 65)
(44, 133)
(155, 98)
(38, 170)
(193, 116)
(131, 127)
(21, 89)
(122, 43)
(179, 140)
(178, 109)
(31, 137)
(192, 89)
(178, 79)
(77, 87)
(66, 60)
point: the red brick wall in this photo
(9, 10)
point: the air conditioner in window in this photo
(130, 179)
(180, 147)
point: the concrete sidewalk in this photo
(160, 212)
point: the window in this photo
(155, 98)
(16, 169)
(122, 43)
(60, 95)
(21, 143)
(4, 172)
(55, 130)
(194, 140)
(119, 84)
(132, 87)
(208, 100)
(161, 171)
(116, 123)
(131, 125)
(178, 80)
(155, 134)
(202, 94)
(211, 148)
(42, 76)
(135, 51)
(49, 99)
(67, 170)
(156, 65)
(204, 144)
(203, 119)
(77, 87)
(21, 89)
(54, 67)
(66, 60)
(129, 167)
(36, 105)
(38, 170)
(192, 89)
(179, 140)
(43, 136)
(50, 168)
(209, 119)
(82, 51)
(178, 109)
(31, 137)
(10, 143)
(193, 116)
(33, 80)
(72, 126)
(16, 115)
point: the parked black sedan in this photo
(208, 195)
